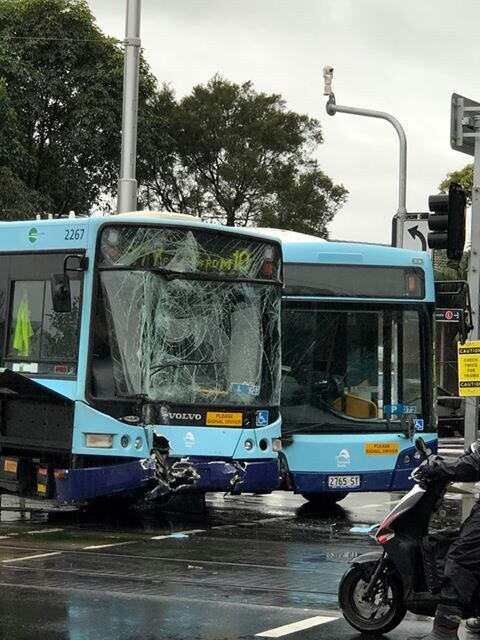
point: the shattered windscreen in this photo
(187, 316)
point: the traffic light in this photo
(447, 221)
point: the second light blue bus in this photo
(357, 341)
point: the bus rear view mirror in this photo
(61, 296)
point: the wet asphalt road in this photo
(244, 567)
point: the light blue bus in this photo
(357, 340)
(139, 354)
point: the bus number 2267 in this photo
(74, 234)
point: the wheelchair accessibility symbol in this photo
(418, 424)
(261, 418)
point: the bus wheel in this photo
(325, 499)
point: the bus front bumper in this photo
(235, 476)
(76, 486)
(143, 477)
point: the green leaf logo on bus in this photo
(33, 234)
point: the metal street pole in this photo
(333, 108)
(470, 421)
(465, 137)
(127, 184)
(471, 403)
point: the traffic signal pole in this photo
(471, 404)
(465, 137)
(332, 108)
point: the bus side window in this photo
(25, 320)
(39, 339)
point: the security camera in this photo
(327, 77)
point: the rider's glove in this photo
(432, 469)
(473, 449)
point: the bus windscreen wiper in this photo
(140, 397)
(182, 363)
(171, 274)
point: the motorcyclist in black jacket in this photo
(462, 567)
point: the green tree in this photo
(446, 269)
(233, 155)
(305, 200)
(61, 85)
(464, 177)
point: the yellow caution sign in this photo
(469, 369)
(224, 419)
(382, 448)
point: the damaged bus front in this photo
(148, 363)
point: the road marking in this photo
(251, 524)
(105, 546)
(31, 533)
(178, 534)
(187, 533)
(272, 519)
(278, 632)
(40, 555)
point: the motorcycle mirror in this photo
(421, 446)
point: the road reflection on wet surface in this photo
(236, 567)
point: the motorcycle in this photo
(381, 586)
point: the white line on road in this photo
(178, 534)
(40, 555)
(272, 519)
(105, 546)
(31, 533)
(188, 533)
(308, 623)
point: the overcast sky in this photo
(405, 58)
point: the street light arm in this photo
(333, 108)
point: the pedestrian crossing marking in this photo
(286, 629)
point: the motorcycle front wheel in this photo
(379, 615)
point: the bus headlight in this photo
(99, 440)
(138, 443)
(248, 444)
(124, 441)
